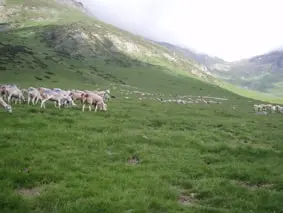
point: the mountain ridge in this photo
(42, 35)
(263, 73)
(87, 48)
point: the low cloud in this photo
(230, 29)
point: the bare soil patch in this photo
(189, 199)
(133, 160)
(32, 192)
(255, 186)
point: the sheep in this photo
(61, 98)
(273, 109)
(4, 90)
(68, 100)
(43, 91)
(76, 95)
(257, 107)
(278, 108)
(33, 95)
(7, 107)
(104, 94)
(93, 99)
(14, 92)
(53, 96)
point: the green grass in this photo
(229, 160)
(220, 157)
(252, 94)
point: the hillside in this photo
(45, 32)
(40, 41)
(202, 149)
(263, 73)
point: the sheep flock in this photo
(264, 108)
(11, 93)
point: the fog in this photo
(229, 29)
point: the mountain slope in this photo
(141, 155)
(42, 44)
(263, 73)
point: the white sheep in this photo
(7, 107)
(4, 90)
(257, 107)
(273, 109)
(56, 97)
(33, 95)
(16, 93)
(104, 94)
(67, 100)
(93, 99)
(76, 95)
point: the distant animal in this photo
(92, 99)
(6, 106)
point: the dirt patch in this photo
(187, 199)
(133, 160)
(251, 186)
(32, 192)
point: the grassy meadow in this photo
(141, 156)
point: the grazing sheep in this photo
(278, 108)
(33, 95)
(7, 107)
(76, 95)
(273, 109)
(57, 98)
(104, 94)
(93, 99)
(68, 100)
(16, 93)
(4, 90)
(257, 108)
(43, 91)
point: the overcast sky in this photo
(230, 29)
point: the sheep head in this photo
(8, 108)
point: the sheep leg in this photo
(73, 103)
(58, 103)
(83, 108)
(89, 107)
(37, 99)
(43, 103)
(9, 98)
(95, 108)
(34, 100)
(31, 99)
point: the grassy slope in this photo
(217, 158)
(230, 160)
(257, 77)
(29, 56)
(262, 84)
